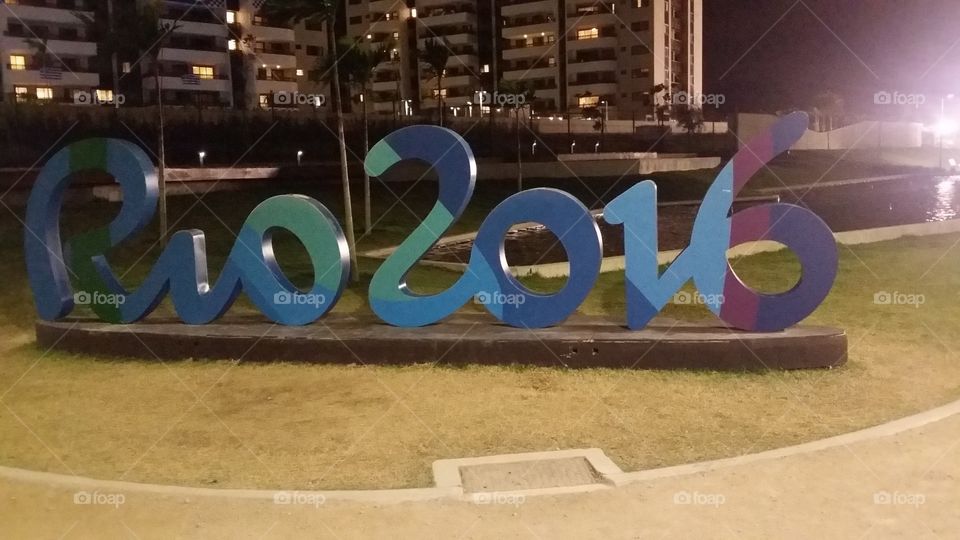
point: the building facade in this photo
(47, 54)
(574, 53)
(228, 54)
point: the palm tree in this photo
(657, 108)
(435, 55)
(325, 11)
(109, 37)
(41, 50)
(521, 93)
(358, 64)
(147, 33)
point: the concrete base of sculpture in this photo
(581, 342)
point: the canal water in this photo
(884, 203)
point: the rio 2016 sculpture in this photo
(251, 267)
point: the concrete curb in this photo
(448, 482)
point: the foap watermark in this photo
(284, 298)
(899, 498)
(97, 298)
(508, 499)
(498, 298)
(696, 298)
(499, 99)
(97, 98)
(291, 99)
(699, 100)
(895, 298)
(304, 498)
(700, 499)
(98, 498)
(898, 98)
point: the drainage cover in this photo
(548, 473)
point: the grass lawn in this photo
(229, 424)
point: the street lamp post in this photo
(943, 123)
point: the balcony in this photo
(530, 73)
(527, 52)
(32, 77)
(451, 17)
(451, 39)
(457, 81)
(193, 56)
(284, 61)
(171, 82)
(591, 66)
(519, 7)
(595, 88)
(272, 34)
(575, 44)
(194, 28)
(275, 86)
(536, 29)
(58, 47)
(38, 11)
(384, 27)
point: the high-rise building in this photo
(575, 54)
(603, 54)
(227, 53)
(46, 53)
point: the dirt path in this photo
(905, 486)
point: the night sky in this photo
(910, 46)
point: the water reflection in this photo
(945, 204)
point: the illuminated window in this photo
(105, 96)
(588, 101)
(204, 72)
(299, 73)
(44, 93)
(413, 12)
(18, 62)
(443, 92)
(231, 17)
(232, 45)
(588, 33)
(264, 101)
(126, 67)
(21, 92)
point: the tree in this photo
(518, 94)
(41, 50)
(435, 55)
(658, 108)
(827, 106)
(149, 34)
(690, 118)
(324, 11)
(105, 29)
(358, 64)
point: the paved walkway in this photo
(902, 486)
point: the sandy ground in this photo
(905, 486)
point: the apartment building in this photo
(47, 55)
(575, 53)
(225, 53)
(603, 54)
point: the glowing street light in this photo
(533, 148)
(573, 146)
(202, 155)
(299, 158)
(945, 126)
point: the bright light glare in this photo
(945, 126)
